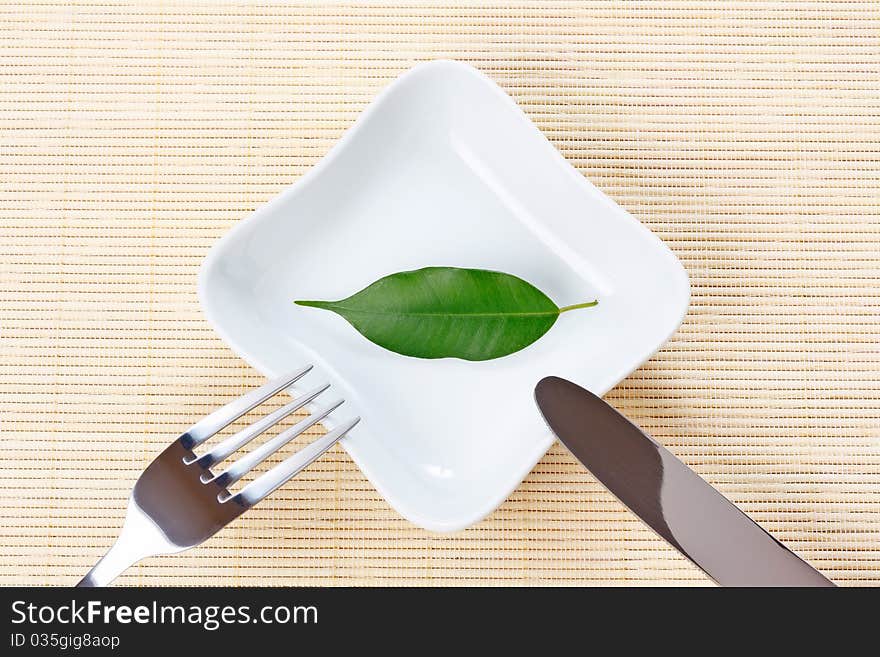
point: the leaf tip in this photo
(588, 304)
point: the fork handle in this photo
(117, 560)
(138, 539)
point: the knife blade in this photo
(667, 495)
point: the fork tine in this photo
(223, 417)
(232, 444)
(244, 465)
(266, 483)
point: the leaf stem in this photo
(588, 304)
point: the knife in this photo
(667, 495)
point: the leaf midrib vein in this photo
(456, 314)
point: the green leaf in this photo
(440, 312)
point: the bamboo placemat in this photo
(745, 134)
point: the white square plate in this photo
(443, 168)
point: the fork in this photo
(178, 502)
